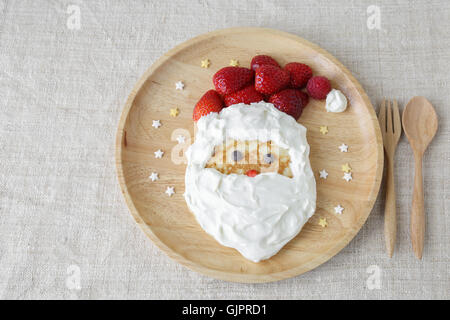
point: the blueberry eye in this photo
(237, 155)
(268, 158)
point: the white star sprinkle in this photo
(347, 176)
(338, 209)
(179, 85)
(156, 124)
(159, 154)
(153, 176)
(181, 139)
(170, 191)
(343, 147)
(323, 174)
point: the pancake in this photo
(239, 157)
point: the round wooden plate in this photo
(167, 220)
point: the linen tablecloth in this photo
(66, 69)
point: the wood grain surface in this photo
(420, 123)
(391, 130)
(168, 222)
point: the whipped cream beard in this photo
(255, 215)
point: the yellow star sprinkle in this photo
(346, 168)
(324, 129)
(323, 222)
(206, 63)
(174, 112)
(234, 63)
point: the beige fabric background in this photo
(61, 95)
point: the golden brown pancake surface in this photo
(239, 157)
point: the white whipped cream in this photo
(255, 215)
(336, 101)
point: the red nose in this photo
(252, 173)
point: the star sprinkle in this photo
(323, 222)
(343, 147)
(206, 63)
(347, 176)
(158, 154)
(156, 124)
(234, 63)
(179, 85)
(323, 174)
(153, 176)
(174, 112)
(324, 129)
(346, 168)
(170, 191)
(338, 209)
(181, 139)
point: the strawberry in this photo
(252, 173)
(246, 95)
(300, 74)
(318, 87)
(211, 101)
(271, 79)
(261, 60)
(231, 79)
(305, 98)
(289, 101)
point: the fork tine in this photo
(397, 122)
(382, 116)
(389, 118)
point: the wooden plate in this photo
(168, 222)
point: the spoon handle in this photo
(417, 210)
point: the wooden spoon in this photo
(420, 124)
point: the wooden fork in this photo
(391, 129)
